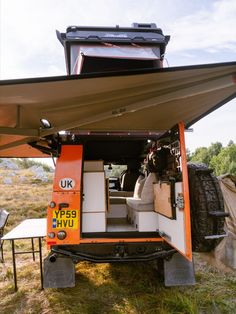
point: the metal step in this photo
(216, 236)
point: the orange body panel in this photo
(69, 165)
(73, 232)
(66, 213)
(124, 240)
(187, 217)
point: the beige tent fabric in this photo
(228, 188)
(144, 101)
(226, 250)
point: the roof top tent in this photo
(106, 49)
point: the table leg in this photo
(1, 249)
(41, 262)
(14, 263)
(32, 243)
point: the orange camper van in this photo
(123, 190)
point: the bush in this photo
(26, 163)
(221, 159)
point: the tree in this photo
(201, 155)
(214, 149)
(225, 161)
(221, 159)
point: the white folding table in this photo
(28, 229)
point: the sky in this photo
(201, 32)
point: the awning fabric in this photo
(226, 250)
(228, 187)
(146, 100)
(120, 52)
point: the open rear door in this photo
(177, 230)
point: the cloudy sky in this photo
(201, 32)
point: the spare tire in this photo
(207, 208)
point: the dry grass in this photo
(101, 288)
(26, 197)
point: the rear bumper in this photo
(113, 252)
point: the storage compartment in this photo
(94, 208)
(164, 199)
(117, 211)
(94, 222)
(146, 221)
(173, 230)
(94, 190)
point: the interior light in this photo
(45, 123)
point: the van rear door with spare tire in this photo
(171, 201)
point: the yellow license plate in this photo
(64, 219)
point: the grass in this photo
(130, 288)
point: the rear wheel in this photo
(207, 208)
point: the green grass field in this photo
(101, 288)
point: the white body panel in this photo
(146, 221)
(94, 202)
(94, 222)
(174, 230)
(117, 211)
(94, 191)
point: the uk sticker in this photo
(67, 184)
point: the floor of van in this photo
(120, 235)
(119, 225)
(120, 228)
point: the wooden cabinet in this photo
(163, 199)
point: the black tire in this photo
(207, 207)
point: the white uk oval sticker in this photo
(67, 184)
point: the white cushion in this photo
(138, 205)
(147, 194)
(139, 187)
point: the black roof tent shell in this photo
(139, 34)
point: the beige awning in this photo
(132, 101)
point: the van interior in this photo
(128, 182)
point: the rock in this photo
(6, 163)
(12, 174)
(39, 173)
(22, 179)
(7, 181)
(41, 177)
(37, 169)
